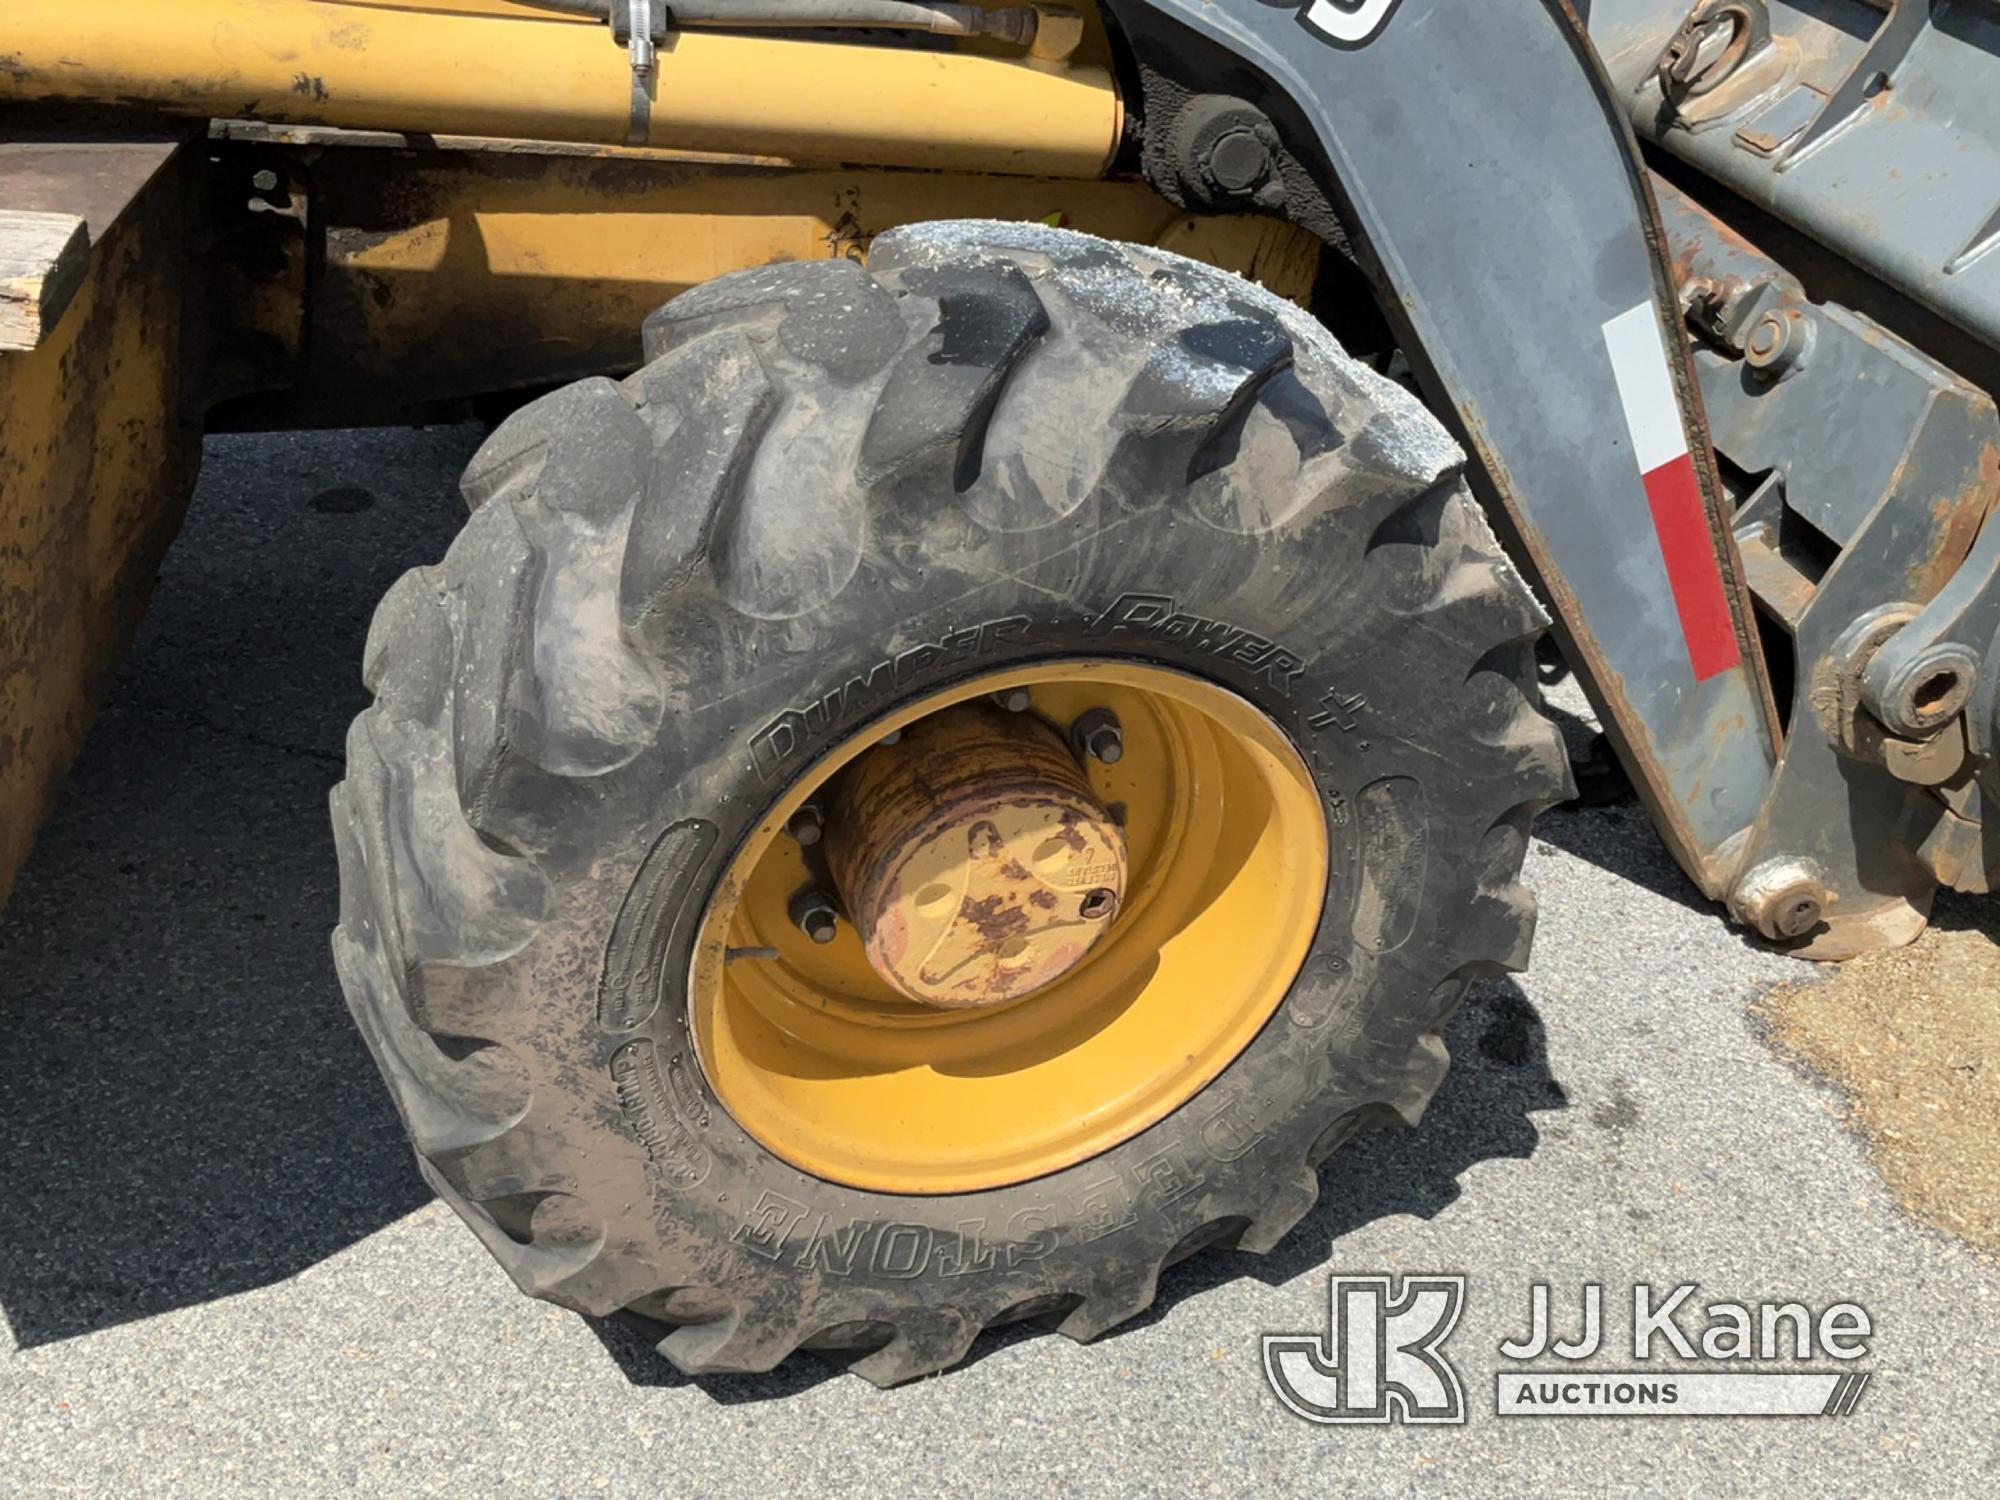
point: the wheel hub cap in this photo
(974, 858)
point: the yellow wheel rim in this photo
(820, 1060)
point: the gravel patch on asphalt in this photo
(1912, 1036)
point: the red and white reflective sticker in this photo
(1680, 517)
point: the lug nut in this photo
(1015, 700)
(816, 915)
(1097, 905)
(1098, 735)
(1777, 342)
(807, 825)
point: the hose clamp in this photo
(638, 26)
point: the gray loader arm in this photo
(1477, 163)
(1489, 182)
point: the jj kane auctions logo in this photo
(1382, 1357)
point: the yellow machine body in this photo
(364, 212)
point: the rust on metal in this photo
(974, 859)
(96, 461)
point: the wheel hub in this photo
(954, 1063)
(974, 858)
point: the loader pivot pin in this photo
(1782, 898)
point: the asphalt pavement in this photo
(220, 1273)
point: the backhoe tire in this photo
(831, 490)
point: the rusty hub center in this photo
(974, 859)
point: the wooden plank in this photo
(93, 177)
(43, 258)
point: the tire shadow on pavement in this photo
(1499, 1080)
(186, 1110)
(1622, 840)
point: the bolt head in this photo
(816, 916)
(1778, 341)
(1238, 161)
(1097, 905)
(1015, 700)
(1097, 734)
(808, 825)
